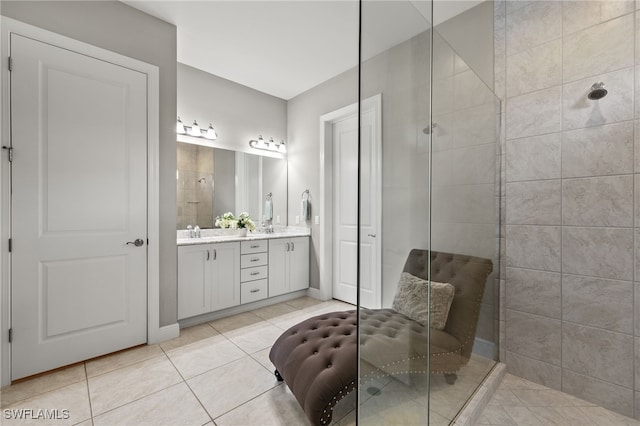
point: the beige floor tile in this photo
(541, 397)
(263, 358)
(190, 335)
(255, 337)
(175, 405)
(205, 355)
(88, 422)
(495, 415)
(227, 387)
(506, 398)
(285, 322)
(522, 415)
(122, 359)
(235, 322)
(277, 407)
(119, 387)
(574, 416)
(42, 384)
(73, 398)
(602, 416)
(303, 302)
(274, 311)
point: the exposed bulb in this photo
(261, 143)
(195, 130)
(282, 148)
(211, 133)
(180, 127)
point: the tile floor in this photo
(219, 373)
(519, 402)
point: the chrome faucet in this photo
(196, 232)
(191, 231)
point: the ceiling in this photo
(284, 48)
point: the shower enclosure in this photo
(439, 193)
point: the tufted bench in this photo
(317, 358)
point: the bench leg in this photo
(278, 376)
(450, 378)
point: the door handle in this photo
(138, 242)
(293, 247)
(253, 274)
(208, 255)
(287, 246)
(371, 235)
(215, 254)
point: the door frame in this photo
(325, 260)
(155, 333)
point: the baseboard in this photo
(316, 294)
(484, 348)
(167, 332)
(475, 406)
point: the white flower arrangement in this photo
(244, 221)
(228, 220)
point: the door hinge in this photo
(10, 335)
(9, 150)
(10, 64)
(10, 245)
(147, 241)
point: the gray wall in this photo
(470, 34)
(570, 216)
(119, 28)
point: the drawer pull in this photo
(256, 246)
(254, 273)
(255, 290)
(255, 260)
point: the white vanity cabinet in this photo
(208, 278)
(288, 265)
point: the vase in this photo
(242, 232)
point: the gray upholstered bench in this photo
(317, 358)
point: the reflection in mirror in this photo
(213, 181)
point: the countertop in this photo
(223, 236)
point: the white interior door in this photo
(79, 134)
(345, 213)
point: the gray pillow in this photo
(412, 296)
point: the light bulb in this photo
(211, 133)
(180, 128)
(195, 130)
(282, 148)
(272, 145)
(261, 143)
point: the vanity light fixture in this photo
(195, 130)
(268, 146)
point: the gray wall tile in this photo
(637, 145)
(597, 252)
(597, 302)
(637, 309)
(470, 125)
(578, 111)
(534, 292)
(535, 113)
(593, 352)
(474, 165)
(533, 158)
(605, 394)
(598, 201)
(534, 69)
(534, 370)
(534, 247)
(534, 202)
(637, 362)
(637, 202)
(637, 406)
(470, 91)
(577, 15)
(599, 49)
(637, 256)
(534, 336)
(597, 151)
(532, 25)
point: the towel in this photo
(268, 210)
(305, 211)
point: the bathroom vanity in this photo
(217, 271)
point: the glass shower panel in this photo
(394, 210)
(465, 191)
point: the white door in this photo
(79, 195)
(345, 213)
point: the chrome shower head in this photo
(597, 91)
(202, 180)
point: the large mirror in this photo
(213, 181)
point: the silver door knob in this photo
(139, 242)
(371, 235)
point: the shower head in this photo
(597, 91)
(202, 180)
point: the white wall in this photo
(119, 28)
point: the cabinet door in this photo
(194, 280)
(225, 283)
(278, 269)
(299, 264)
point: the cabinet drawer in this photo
(252, 274)
(251, 260)
(256, 246)
(252, 291)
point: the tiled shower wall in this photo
(194, 186)
(572, 179)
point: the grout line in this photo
(86, 378)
